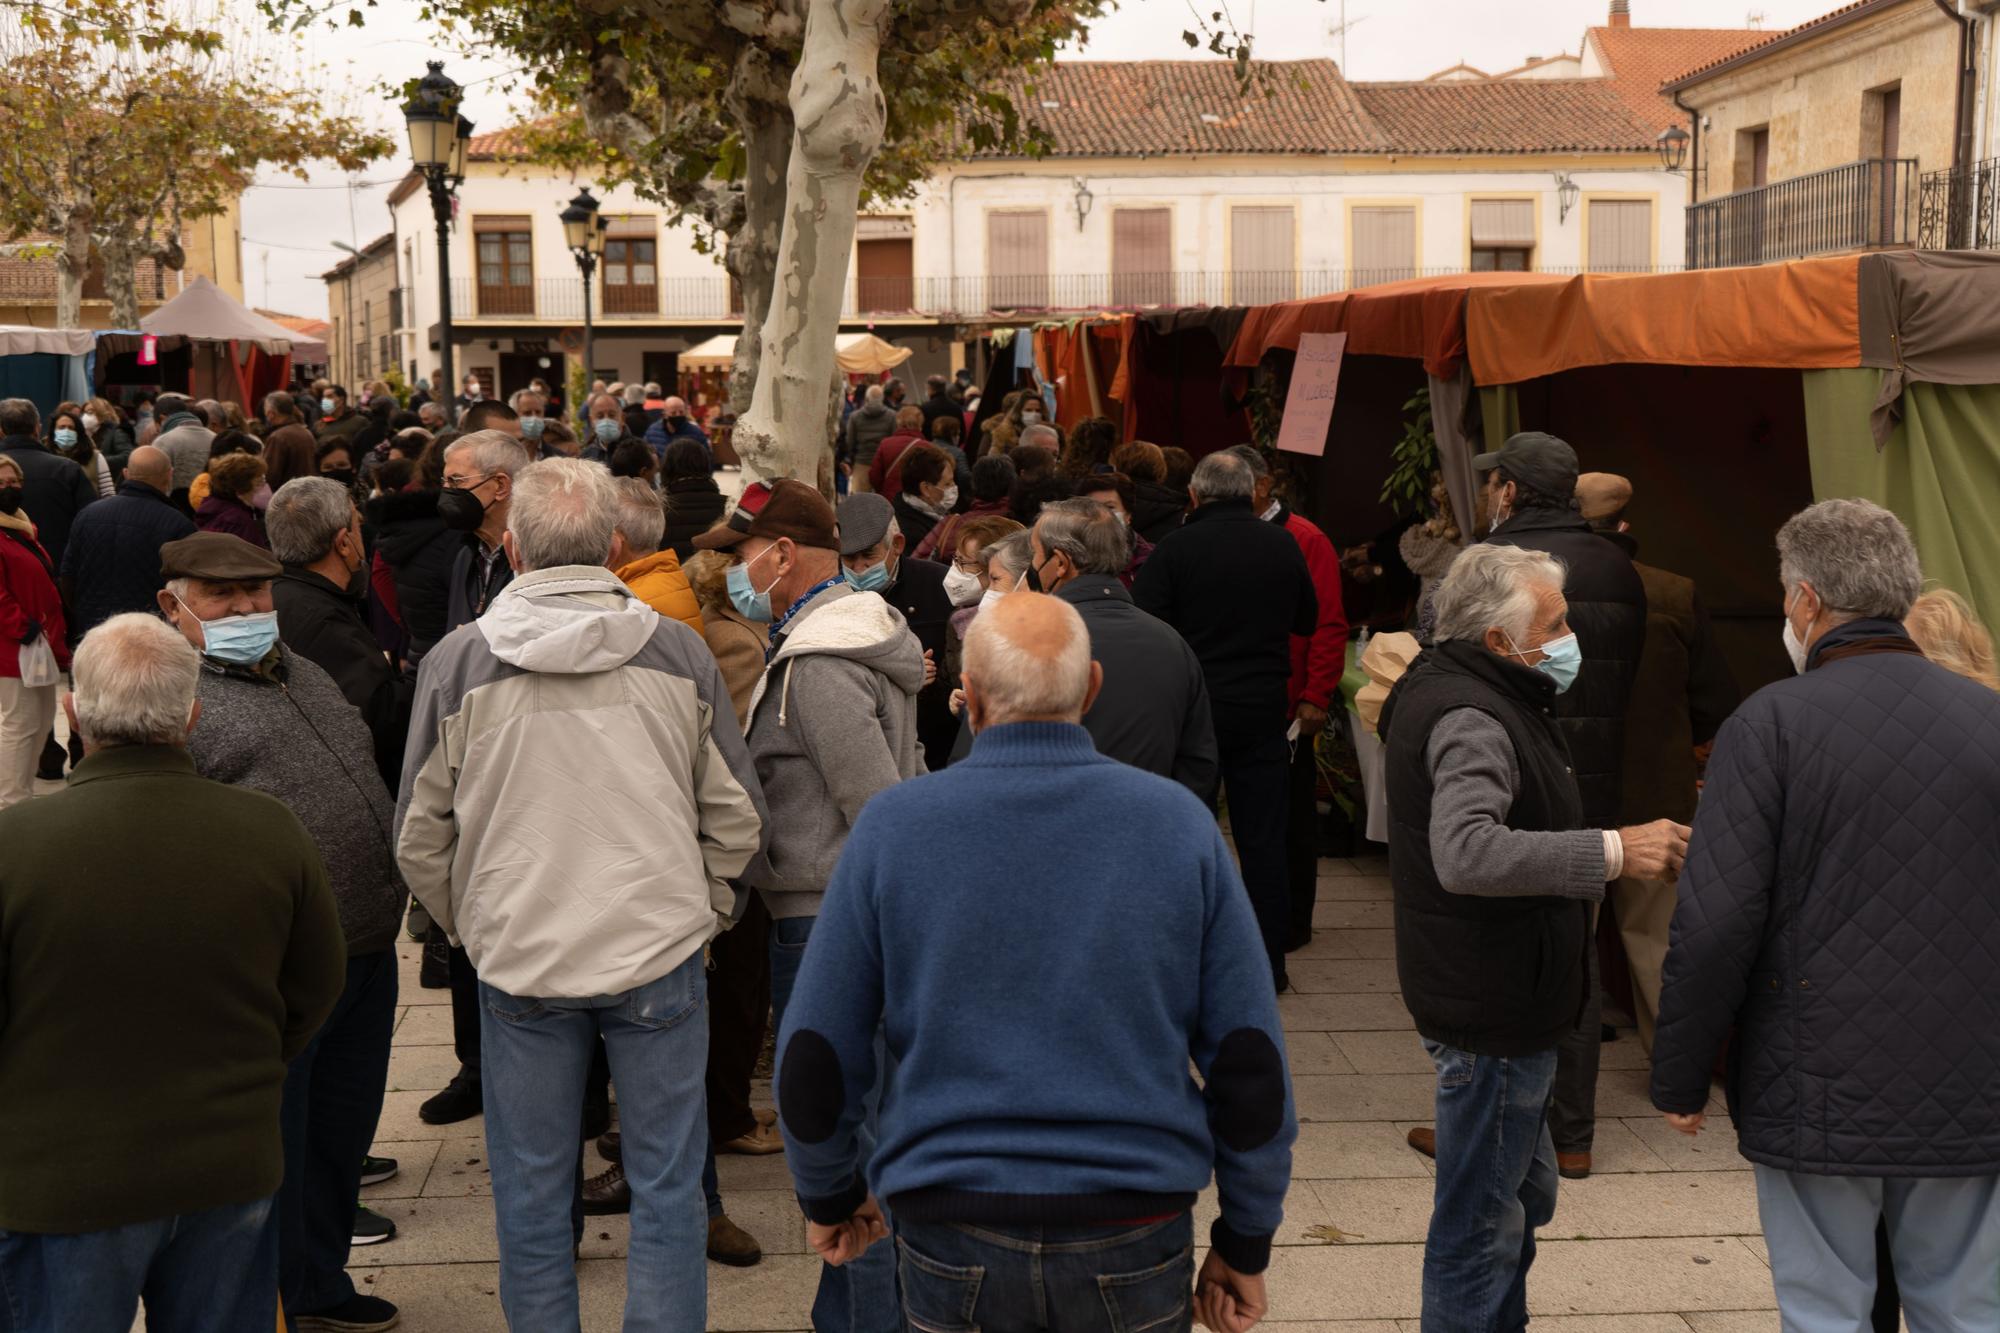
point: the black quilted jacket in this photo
(1841, 907)
(1607, 609)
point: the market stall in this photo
(46, 366)
(231, 351)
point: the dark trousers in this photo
(333, 1099)
(1302, 839)
(739, 1003)
(1048, 1279)
(464, 1011)
(1573, 1108)
(1255, 774)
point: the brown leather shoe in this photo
(1573, 1165)
(731, 1244)
(606, 1194)
(1425, 1141)
(610, 1147)
(765, 1115)
(759, 1142)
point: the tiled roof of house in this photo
(1509, 116)
(305, 324)
(1641, 59)
(1103, 108)
(1688, 73)
(508, 142)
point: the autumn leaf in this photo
(1332, 1235)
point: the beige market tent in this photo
(854, 353)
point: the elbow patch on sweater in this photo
(1246, 1084)
(811, 1088)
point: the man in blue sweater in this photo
(1041, 1139)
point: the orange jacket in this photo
(659, 583)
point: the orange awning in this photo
(1803, 315)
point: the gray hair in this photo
(18, 416)
(1259, 468)
(434, 408)
(491, 451)
(873, 394)
(1493, 587)
(135, 682)
(305, 516)
(1014, 683)
(1048, 437)
(635, 394)
(642, 519)
(1223, 476)
(564, 513)
(1012, 551)
(652, 389)
(1858, 557)
(1088, 533)
(519, 396)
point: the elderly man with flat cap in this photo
(833, 722)
(274, 722)
(871, 547)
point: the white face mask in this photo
(961, 587)
(1795, 646)
(949, 500)
(991, 596)
(90, 421)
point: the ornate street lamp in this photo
(438, 135)
(1673, 147)
(583, 230)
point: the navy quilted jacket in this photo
(1841, 907)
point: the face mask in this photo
(1795, 647)
(90, 421)
(472, 392)
(531, 428)
(872, 579)
(326, 406)
(365, 397)
(10, 499)
(343, 475)
(261, 497)
(744, 596)
(461, 510)
(65, 437)
(961, 587)
(1031, 418)
(949, 500)
(244, 640)
(608, 429)
(991, 596)
(1561, 660)
(677, 419)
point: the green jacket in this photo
(167, 945)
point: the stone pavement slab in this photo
(1349, 944)
(1385, 1052)
(1342, 976)
(1343, 1013)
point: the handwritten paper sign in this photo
(1309, 404)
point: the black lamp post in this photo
(438, 135)
(1673, 147)
(583, 229)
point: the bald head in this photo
(1027, 659)
(151, 466)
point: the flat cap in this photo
(793, 509)
(865, 519)
(1537, 460)
(1601, 495)
(216, 557)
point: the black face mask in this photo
(1034, 578)
(10, 499)
(343, 475)
(460, 509)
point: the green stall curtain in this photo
(1939, 472)
(1500, 409)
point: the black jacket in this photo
(1607, 609)
(323, 624)
(918, 593)
(915, 523)
(112, 562)
(405, 530)
(53, 491)
(1841, 909)
(475, 582)
(693, 506)
(1156, 510)
(1494, 976)
(940, 405)
(1237, 589)
(1153, 710)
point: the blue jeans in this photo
(859, 1297)
(1115, 1279)
(1944, 1239)
(535, 1053)
(215, 1271)
(333, 1099)
(1496, 1183)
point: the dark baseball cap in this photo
(793, 509)
(865, 519)
(1539, 461)
(217, 557)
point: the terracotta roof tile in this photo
(1505, 116)
(1641, 59)
(1097, 108)
(1763, 39)
(508, 142)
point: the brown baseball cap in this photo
(793, 509)
(217, 557)
(1602, 495)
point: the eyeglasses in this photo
(964, 566)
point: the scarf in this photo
(18, 522)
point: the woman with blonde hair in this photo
(1944, 626)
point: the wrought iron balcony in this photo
(1865, 205)
(1957, 209)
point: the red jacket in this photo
(1319, 658)
(886, 473)
(27, 593)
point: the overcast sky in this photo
(289, 227)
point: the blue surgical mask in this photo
(743, 594)
(326, 406)
(531, 428)
(608, 429)
(1561, 660)
(872, 579)
(243, 640)
(65, 436)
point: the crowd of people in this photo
(653, 777)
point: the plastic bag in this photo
(38, 663)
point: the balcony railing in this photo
(1865, 205)
(1960, 209)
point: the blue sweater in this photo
(1041, 986)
